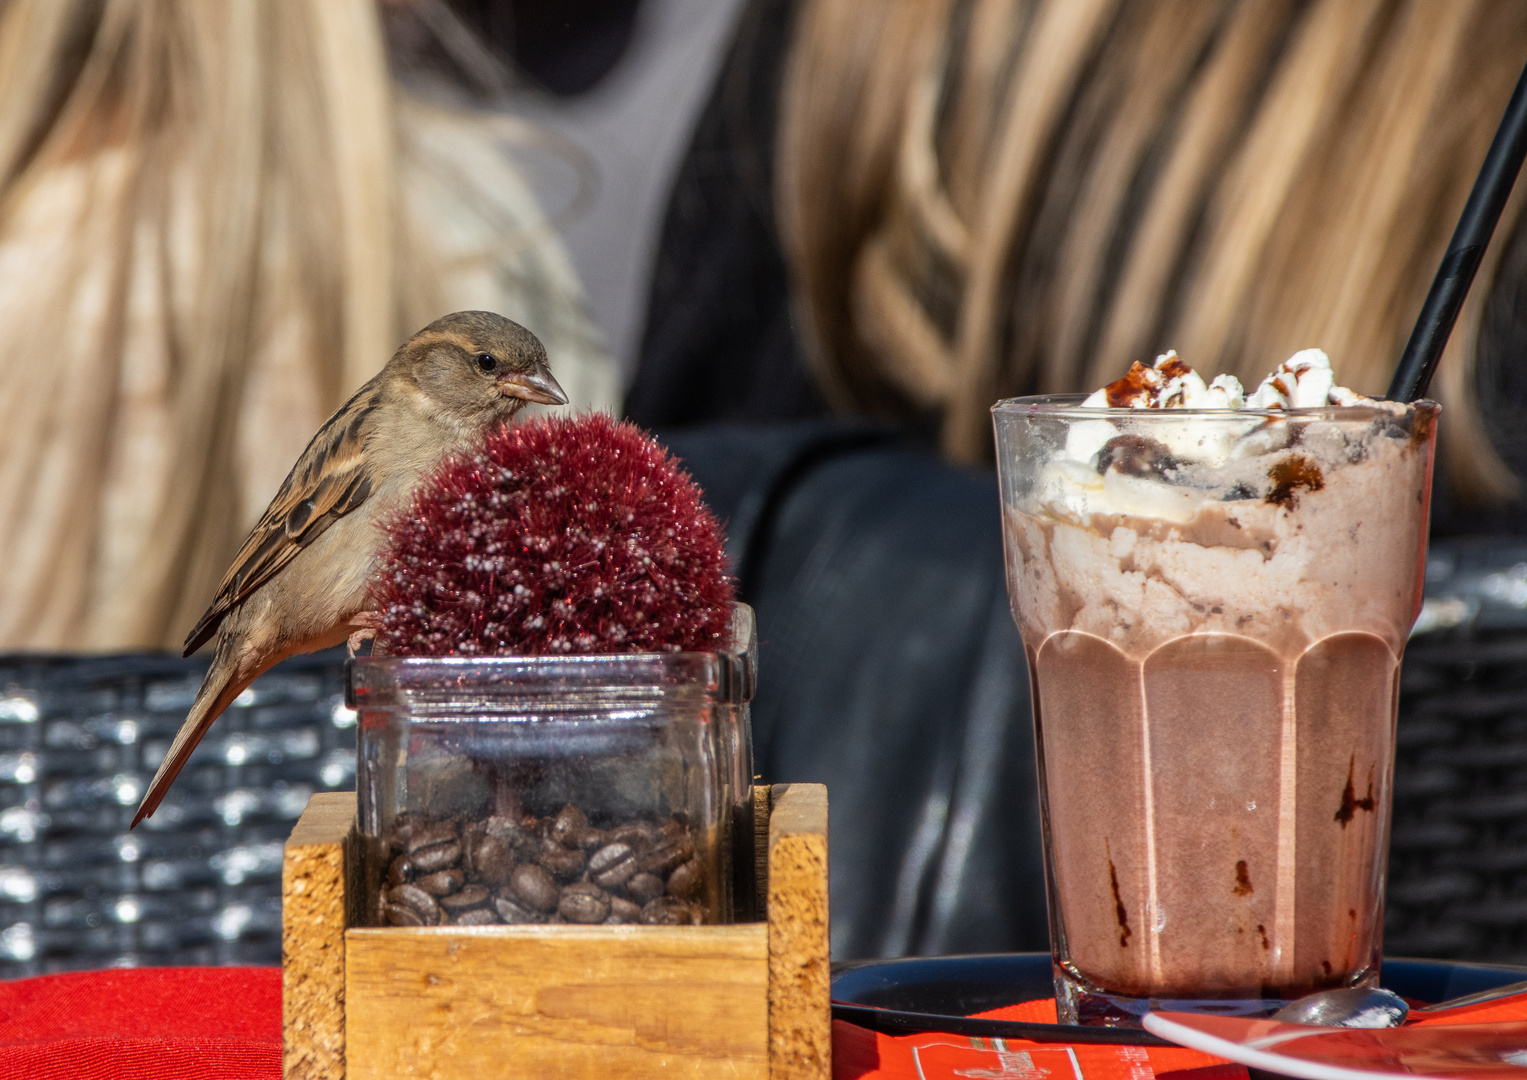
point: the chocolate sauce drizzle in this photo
(1242, 879)
(1291, 474)
(1135, 455)
(1350, 803)
(1139, 382)
(1121, 913)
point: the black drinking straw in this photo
(1496, 176)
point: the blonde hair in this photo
(996, 197)
(206, 243)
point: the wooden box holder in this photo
(749, 1000)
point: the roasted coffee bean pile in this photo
(556, 869)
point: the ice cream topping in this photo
(1303, 381)
(1147, 455)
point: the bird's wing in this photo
(330, 479)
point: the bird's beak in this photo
(537, 386)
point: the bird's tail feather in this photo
(221, 685)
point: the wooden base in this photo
(748, 1000)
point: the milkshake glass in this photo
(1214, 604)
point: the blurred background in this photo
(807, 241)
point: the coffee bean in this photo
(475, 917)
(564, 863)
(685, 880)
(612, 865)
(669, 853)
(443, 882)
(515, 911)
(429, 835)
(400, 915)
(473, 896)
(402, 828)
(569, 825)
(637, 835)
(521, 868)
(439, 856)
(492, 860)
(471, 836)
(623, 911)
(510, 832)
(414, 897)
(670, 911)
(533, 886)
(584, 902)
(645, 888)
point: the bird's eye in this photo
(486, 361)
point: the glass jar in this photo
(545, 789)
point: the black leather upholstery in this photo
(890, 670)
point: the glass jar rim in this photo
(477, 683)
(724, 677)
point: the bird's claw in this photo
(366, 623)
(357, 639)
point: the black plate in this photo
(938, 993)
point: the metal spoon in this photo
(1354, 1007)
(1374, 1008)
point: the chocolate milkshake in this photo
(1214, 590)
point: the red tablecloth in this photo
(185, 1023)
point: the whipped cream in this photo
(1168, 469)
(1303, 381)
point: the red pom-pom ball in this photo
(577, 535)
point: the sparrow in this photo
(300, 582)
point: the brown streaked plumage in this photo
(299, 583)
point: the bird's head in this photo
(477, 368)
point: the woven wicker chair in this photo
(198, 883)
(1458, 851)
